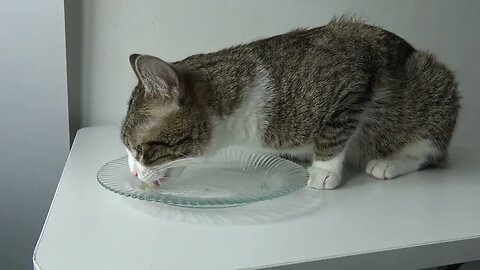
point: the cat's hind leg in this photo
(410, 158)
(410, 124)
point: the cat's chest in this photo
(246, 129)
(244, 126)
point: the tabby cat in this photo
(346, 89)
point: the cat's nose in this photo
(135, 174)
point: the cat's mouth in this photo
(164, 178)
(156, 178)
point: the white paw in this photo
(390, 168)
(323, 179)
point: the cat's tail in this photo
(433, 89)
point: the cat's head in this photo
(166, 118)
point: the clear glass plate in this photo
(233, 176)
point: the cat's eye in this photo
(138, 148)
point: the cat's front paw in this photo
(323, 179)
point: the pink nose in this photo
(135, 174)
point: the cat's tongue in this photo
(151, 185)
(158, 182)
(154, 178)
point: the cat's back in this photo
(301, 69)
(343, 41)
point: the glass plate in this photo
(233, 176)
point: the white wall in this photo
(172, 30)
(33, 122)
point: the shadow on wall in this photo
(74, 35)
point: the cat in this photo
(320, 94)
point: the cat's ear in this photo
(158, 77)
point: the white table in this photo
(420, 220)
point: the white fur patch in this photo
(420, 149)
(135, 167)
(334, 165)
(245, 125)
